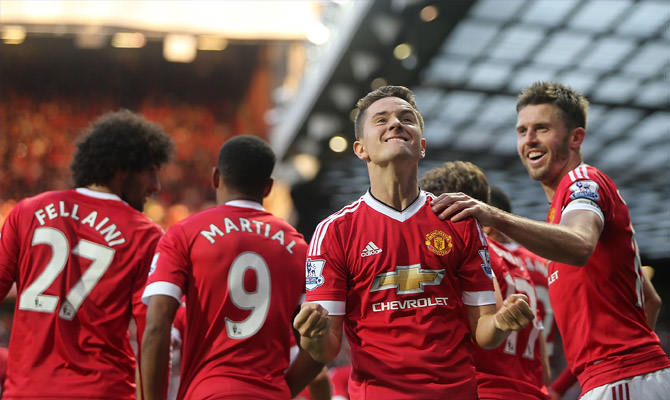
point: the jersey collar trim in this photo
(390, 212)
(245, 204)
(98, 195)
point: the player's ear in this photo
(577, 137)
(360, 151)
(216, 178)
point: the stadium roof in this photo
(466, 66)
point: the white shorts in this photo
(652, 386)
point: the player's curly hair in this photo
(378, 94)
(573, 105)
(119, 141)
(457, 176)
(246, 163)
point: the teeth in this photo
(534, 154)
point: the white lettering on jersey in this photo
(279, 236)
(552, 278)
(245, 225)
(370, 250)
(90, 218)
(109, 232)
(230, 226)
(409, 304)
(213, 231)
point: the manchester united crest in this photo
(552, 212)
(439, 242)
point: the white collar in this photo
(246, 204)
(390, 212)
(98, 194)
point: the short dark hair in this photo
(378, 94)
(119, 141)
(500, 199)
(457, 176)
(246, 163)
(573, 105)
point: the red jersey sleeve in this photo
(475, 272)
(139, 308)
(168, 272)
(325, 269)
(9, 253)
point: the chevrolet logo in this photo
(407, 279)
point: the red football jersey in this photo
(537, 269)
(401, 279)
(514, 369)
(241, 270)
(80, 260)
(599, 306)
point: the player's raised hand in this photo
(515, 313)
(312, 320)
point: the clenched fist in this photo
(312, 320)
(515, 313)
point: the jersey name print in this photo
(241, 271)
(80, 259)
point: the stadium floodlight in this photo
(13, 34)
(180, 48)
(128, 40)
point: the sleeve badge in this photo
(314, 273)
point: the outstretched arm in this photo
(572, 242)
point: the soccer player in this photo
(241, 271)
(519, 368)
(536, 267)
(408, 289)
(597, 289)
(80, 259)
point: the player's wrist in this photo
(497, 324)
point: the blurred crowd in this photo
(38, 137)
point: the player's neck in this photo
(223, 198)
(550, 187)
(100, 188)
(395, 187)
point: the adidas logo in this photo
(370, 250)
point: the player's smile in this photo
(536, 156)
